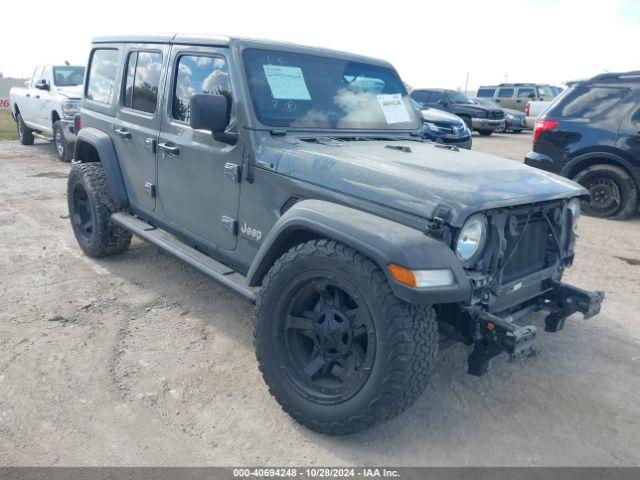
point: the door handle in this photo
(28, 95)
(168, 150)
(37, 96)
(122, 132)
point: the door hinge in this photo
(233, 172)
(150, 144)
(230, 225)
(150, 188)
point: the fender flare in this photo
(381, 240)
(609, 156)
(103, 144)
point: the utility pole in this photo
(466, 84)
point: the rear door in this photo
(506, 97)
(524, 95)
(136, 125)
(198, 194)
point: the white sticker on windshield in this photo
(394, 109)
(286, 82)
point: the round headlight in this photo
(574, 208)
(472, 239)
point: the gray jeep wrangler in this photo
(298, 178)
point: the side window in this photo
(589, 102)
(102, 75)
(198, 74)
(505, 93)
(525, 92)
(142, 81)
(422, 97)
(486, 92)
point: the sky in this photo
(431, 43)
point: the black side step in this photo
(198, 260)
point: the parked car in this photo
(443, 127)
(516, 95)
(592, 135)
(514, 120)
(311, 193)
(534, 109)
(47, 105)
(477, 117)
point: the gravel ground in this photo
(139, 360)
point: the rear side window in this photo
(486, 92)
(143, 79)
(526, 92)
(505, 93)
(102, 75)
(589, 102)
(198, 74)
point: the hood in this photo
(433, 115)
(517, 113)
(74, 92)
(418, 181)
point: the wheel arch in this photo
(586, 160)
(381, 240)
(93, 145)
(55, 116)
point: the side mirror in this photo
(532, 96)
(209, 112)
(42, 84)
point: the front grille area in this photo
(496, 114)
(526, 252)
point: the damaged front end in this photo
(518, 272)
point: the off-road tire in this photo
(626, 186)
(105, 237)
(406, 341)
(62, 147)
(25, 134)
(485, 133)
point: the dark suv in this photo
(298, 178)
(485, 120)
(592, 134)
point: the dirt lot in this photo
(139, 360)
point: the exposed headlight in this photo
(574, 208)
(511, 116)
(431, 127)
(70, 107)
(472, 239)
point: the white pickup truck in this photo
(534, 109)
(46, 106)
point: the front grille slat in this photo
(526, 252)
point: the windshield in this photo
(309, 91)
(457, 97)
(68, 76)
(487, 102)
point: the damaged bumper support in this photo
(496, 334)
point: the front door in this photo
(198, 195)
(135, 128)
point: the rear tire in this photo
(63, 149)
(337, 349)
(614, 193)
(485, 133)
(90, 209)
(25, 134)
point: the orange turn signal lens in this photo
(402, 275)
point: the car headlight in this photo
(511, 116)
(574, 208)
(71, 107)
(472, 239)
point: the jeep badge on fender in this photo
(369, 240)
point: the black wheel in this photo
(613, 191)
(24, 133)
(63, 149)
(90, 209)
(336, 348)
(485, 133)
